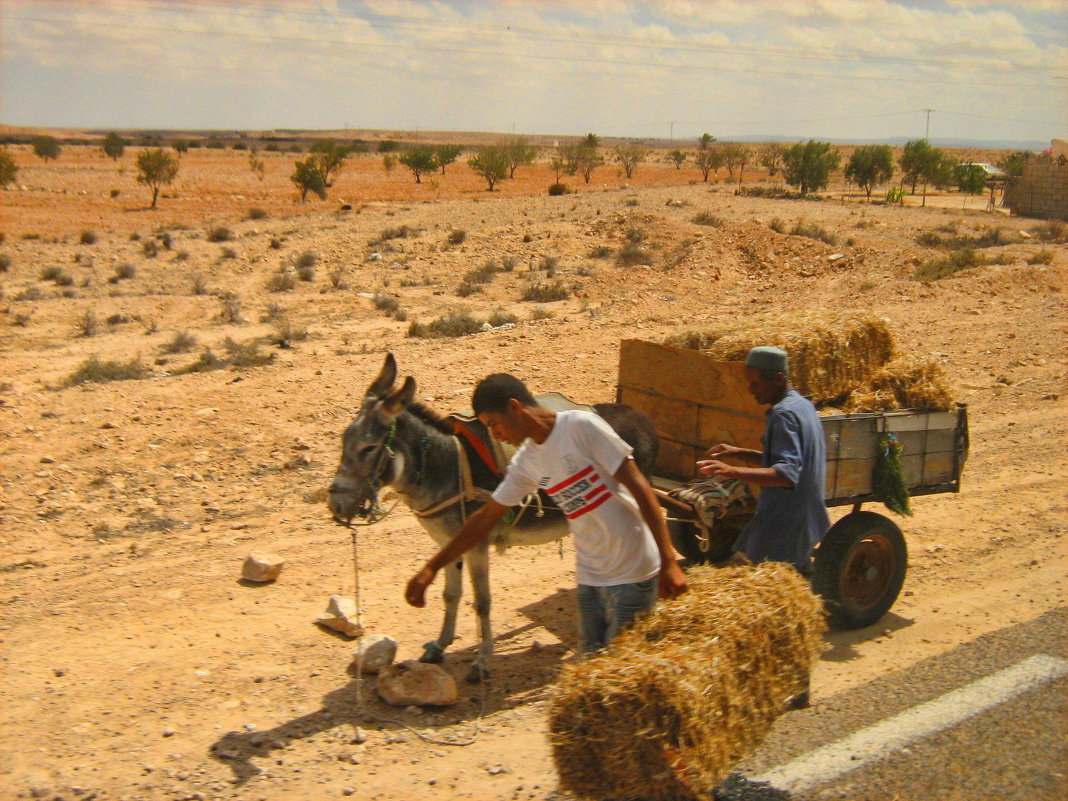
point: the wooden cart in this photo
(695, 401)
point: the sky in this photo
(853, 70)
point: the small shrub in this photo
(708, 218)
(528, 238)
(499, 318)
(118, 319)
(87, 325)
(149, 248)
(1044, 256)
(453, 324)
(483, 275)
(557, 189)
(466, 289)
(273, 312)
(546, 293)
(508, 263)
(457, 237)
(386, 303)
(814, 231)
(401, 315)
(5, 262)
(257, 214)
(29, 293)
(31, 236)
(307, 258)
(549, 264)
(541, 313)
(601, 252)
(94, 371)
(281, 282)
(227, 253)
(632, 201)
(955, 262)
(306, 273)
(219, 233)
(199, 284)
(87, 238)
(50, 273)
(114, 193)
(398, 232)
(1052, 232)
(632, 254)
(21, 319)
(231, 308)
(165, 240)
(286, 331)
(123, 272)
(337, 278)
(181, 255)
(181, 342)
(275, 243)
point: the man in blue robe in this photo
(791, 516)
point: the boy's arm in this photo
(672, 579)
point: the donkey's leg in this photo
(478, 568)
(434, 651)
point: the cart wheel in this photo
(684, 536)
(859, 569)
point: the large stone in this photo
(260, 566)
(375, 653)
(420, 683)
(340, 615)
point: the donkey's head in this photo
(368, 460)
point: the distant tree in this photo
(420, 159)
(921, 162)
(520, 153)
(445, 155)
(870, 166)
(8, 171)
(180, 146)
(114, 146)
(708, 161)
(156, 168)
(389, 161)
(589, 158)
(735, 156)
(567, 157)
(492, 163)
(45, 147)
(808, 166)
(1013, 164)
(944, 175)
(771, 158)
(676, 157)
(704, 140)
(330, 158)
(257, 165)
(630, 156)
(591, 140)
(387, 146)
(308, 177)
(971, 179)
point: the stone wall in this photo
(1042, 190)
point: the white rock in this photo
(260, 566)
(375, 653)
(419, 683)
(835, 256)
(340, 615)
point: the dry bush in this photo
(181, 342)
(199, 284)
(87, 325)
(953, 263)
(95, 371)
(989, 237)
(286, 331)
(123, 272)
(814, 231)
(456, 237)
(231, 308)
(708, 218)
(257, 214)
(1053, 232)
(87, 238)
(452, 324)
(118, 318)
(227, 253)
(282, 281)
(557, 189)
(546, 293)
(149, 248)
(307, 258)
(777, 225)
(1044, 256)
(386, 303)
(275, 243)
(601, 252)
(219, 233)
(30, 293)
(237, 355)
(466, 289)
(397, 232)
(181, 255)
(541, 313)
(337, 278)
(5, 262)
(632, 254)
(499, 318)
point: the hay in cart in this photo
(680, 698)
(906, 382)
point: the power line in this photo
(422, 47)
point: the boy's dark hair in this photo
(494, 391)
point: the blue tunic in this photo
(789, 521)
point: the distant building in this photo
(1042, 189)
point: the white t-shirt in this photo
(575, 466)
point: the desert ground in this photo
(136, 663)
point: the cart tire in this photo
(684, 538)
(859, 569)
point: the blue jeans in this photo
(604, 611)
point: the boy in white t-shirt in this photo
(623, 553)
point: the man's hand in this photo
(718, 469)
(415, 592)
(672, 581)
(723, 451)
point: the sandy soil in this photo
(137, 665)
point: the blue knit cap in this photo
(766, 357)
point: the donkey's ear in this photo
(384, 383)
(399, 399)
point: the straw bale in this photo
(694, 686)
(907, 382)
(830, 353)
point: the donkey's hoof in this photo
(477, 674)
(432, 653)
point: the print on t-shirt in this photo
(580, 492)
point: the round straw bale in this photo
(682, 696)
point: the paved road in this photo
(914, 735)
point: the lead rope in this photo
(360, 709)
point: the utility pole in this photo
(672, 135)
(927, 130)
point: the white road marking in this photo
(887, 736)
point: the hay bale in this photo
(830, 354)
(907, 382)
(692, 688)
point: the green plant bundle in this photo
(887, 481)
